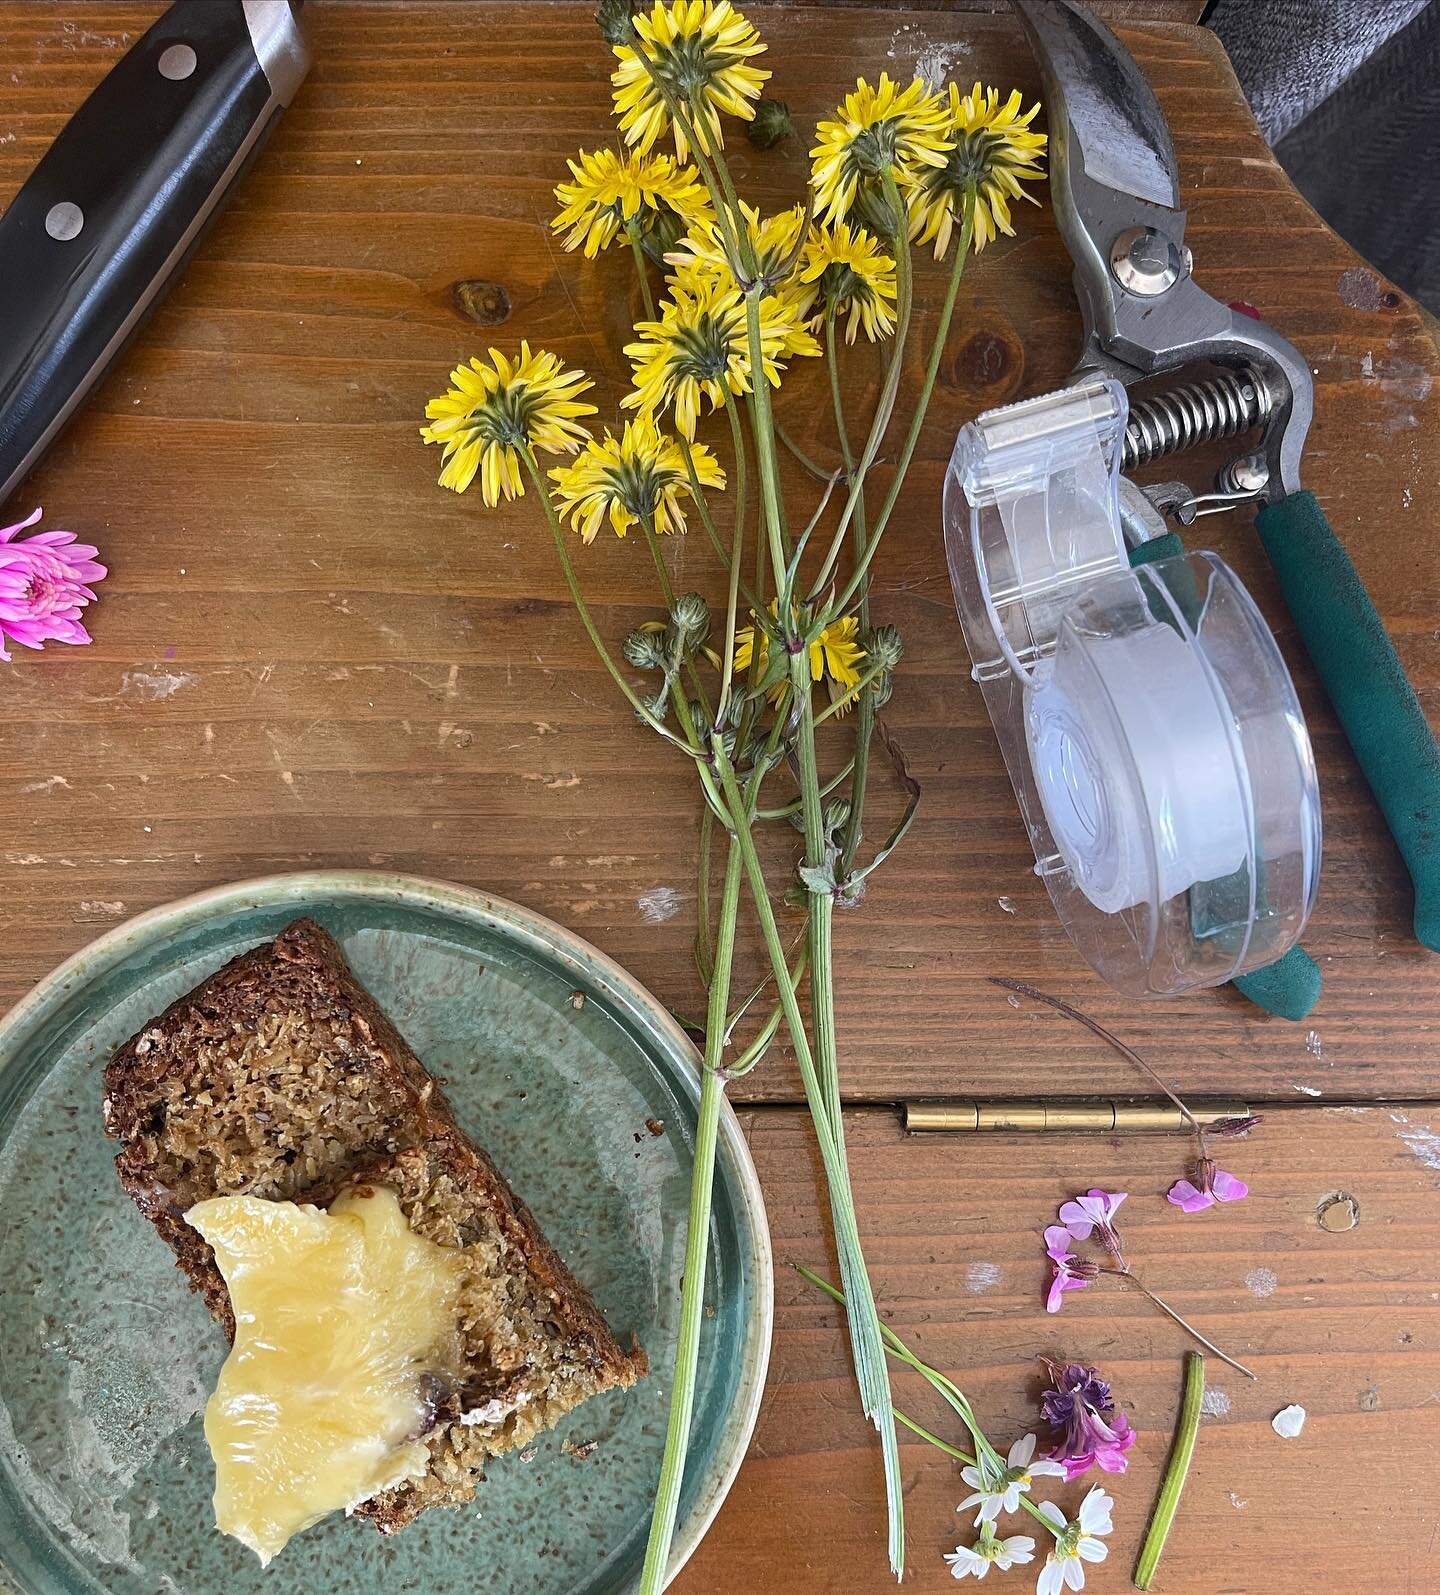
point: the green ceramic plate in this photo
(106, 1359)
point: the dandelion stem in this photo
(815, 469)
(587, 620)
(917, 421)
(732, 596)
(868, 679)
(885, 404)
(647, 299)
(1189, 1328)
(697, 1238)
(1181, 1451)
(864, 1319)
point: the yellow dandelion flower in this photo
(653, 193)
(876, 130)
(994, 151)
(836, 656)
(701, 51)
(775, 240)
(847, 269)
(640, 476)
(700, 348)
(776, 243)
(494, 412)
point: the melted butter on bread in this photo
(341, 1317)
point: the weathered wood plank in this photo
(1344, 1324)
(309, 655)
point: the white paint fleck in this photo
(1367, 366)
(1261, 1282)
(1407, 498)
(111, 910)
(1008, 905)
(1313, 1044)
(980, 1277)
(1215, 1404)
(1288, 1422)
(151, 688)
(1237, 1503)
(932, 58)
(658, 904)
(1424, 1143)
(1309, 1090)
(47, 785)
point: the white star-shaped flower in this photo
(1076, 1543)
(997, 1493)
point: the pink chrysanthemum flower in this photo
(44, 584)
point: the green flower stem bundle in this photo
(781, 678)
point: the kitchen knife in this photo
(120, 201)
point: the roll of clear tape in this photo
(1151, 730)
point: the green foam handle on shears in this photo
(1367, 685)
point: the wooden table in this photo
(307, 655)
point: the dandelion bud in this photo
(883, 647)
(837, 814)
(770, 124)
(613, 18)
(642, 649)
(691, 618)
(700, 718)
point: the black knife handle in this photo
(123, 196)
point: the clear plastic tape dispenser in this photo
(1151, 729)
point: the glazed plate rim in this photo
(536, 933)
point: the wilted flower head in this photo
(44, 585)
(495, 411)
(638, 477)
(991, 151)
(616, 20)
(850, 272)
(874, 131)
(644, 648)
(653, 194)
(1081, 1408)
(700, 51)
(691, 618)
(700, 349)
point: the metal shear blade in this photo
(1115, 189)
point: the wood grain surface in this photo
(307, 654)
(1344, 1324)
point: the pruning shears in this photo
(1115, 191)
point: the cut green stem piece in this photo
(1181, 1450)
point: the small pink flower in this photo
(1070, 1272)
(1082, 1409)
(43, 586)
(1094, 1213)
(1215, 1186)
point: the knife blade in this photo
(122, 198)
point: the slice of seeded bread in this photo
(280, 1077)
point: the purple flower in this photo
(1070, 1272)
(43, 586)
(1095, 1213)
(1215, 1186)
(1080, 1406)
